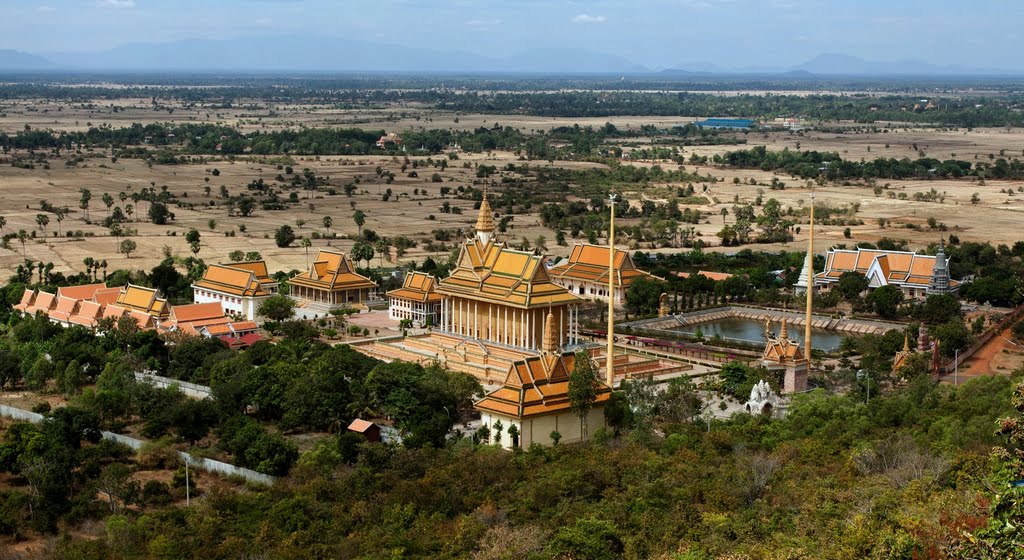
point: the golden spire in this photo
(783, 332)
(485, 220)
(549, 344)
(906, 343)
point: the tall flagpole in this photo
(610, 373)
(810, 286)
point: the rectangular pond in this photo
(752, 332)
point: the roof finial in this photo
(549, 344)
(783, 332)
(485, 220)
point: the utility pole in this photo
(810, 287)
(188, 493)
(956, 365)
(610, 367)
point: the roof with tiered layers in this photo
(419, 287)
(332, 271)
(590, 263)
(246, 279)
(537, 386)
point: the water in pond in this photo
(750, 330)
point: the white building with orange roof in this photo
(585, 273)
(915, 275)
(330, 282)
(417, 300)
(238, 287)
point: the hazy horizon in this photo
(711, 35)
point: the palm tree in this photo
(89, 262)
(108, 201)
(115, 230)
(43, 220)
(381, 247)
(23, 238)
(306, 244)
(360, 218)
(327, 221)
(3, 223)
(83, 202)
(60, 218)
(103, 265)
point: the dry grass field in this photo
(996, 218)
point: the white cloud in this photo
(483, 22)
(587, 18)
(46, 9)
(120, 4)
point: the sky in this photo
(658, 34)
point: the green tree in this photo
(362, 251)
(851, 285)
(128, 247)
(284, 236)
(277, 308)
(643, 295)
(328, 222)
(886, 301)
(306, 244)
(359, 217)
(158, 213)
(583, 388)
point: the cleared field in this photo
(413, 210)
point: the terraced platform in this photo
(490, 362)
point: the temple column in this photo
(490, 330)
(504, 327)
(561, 327)
(476, 320)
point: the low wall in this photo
(203, 464)
(188, 389)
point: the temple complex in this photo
(495, 306)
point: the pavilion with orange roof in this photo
(331, 282)
(585, 272)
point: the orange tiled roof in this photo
(894, 267)
(85, 291)
(107, 296)
(143, 300)
(43, 304)
(536, 386)
(495, 273)
(28, 297)
(332, 271)
(65, 307)
(89, 312)
(247, 279)
(196, 312)
(417, 286)
(590, 263)
(716, 276)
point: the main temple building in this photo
(506, 322)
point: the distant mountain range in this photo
(17, 60)
(311, 54)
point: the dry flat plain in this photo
(996, 218)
